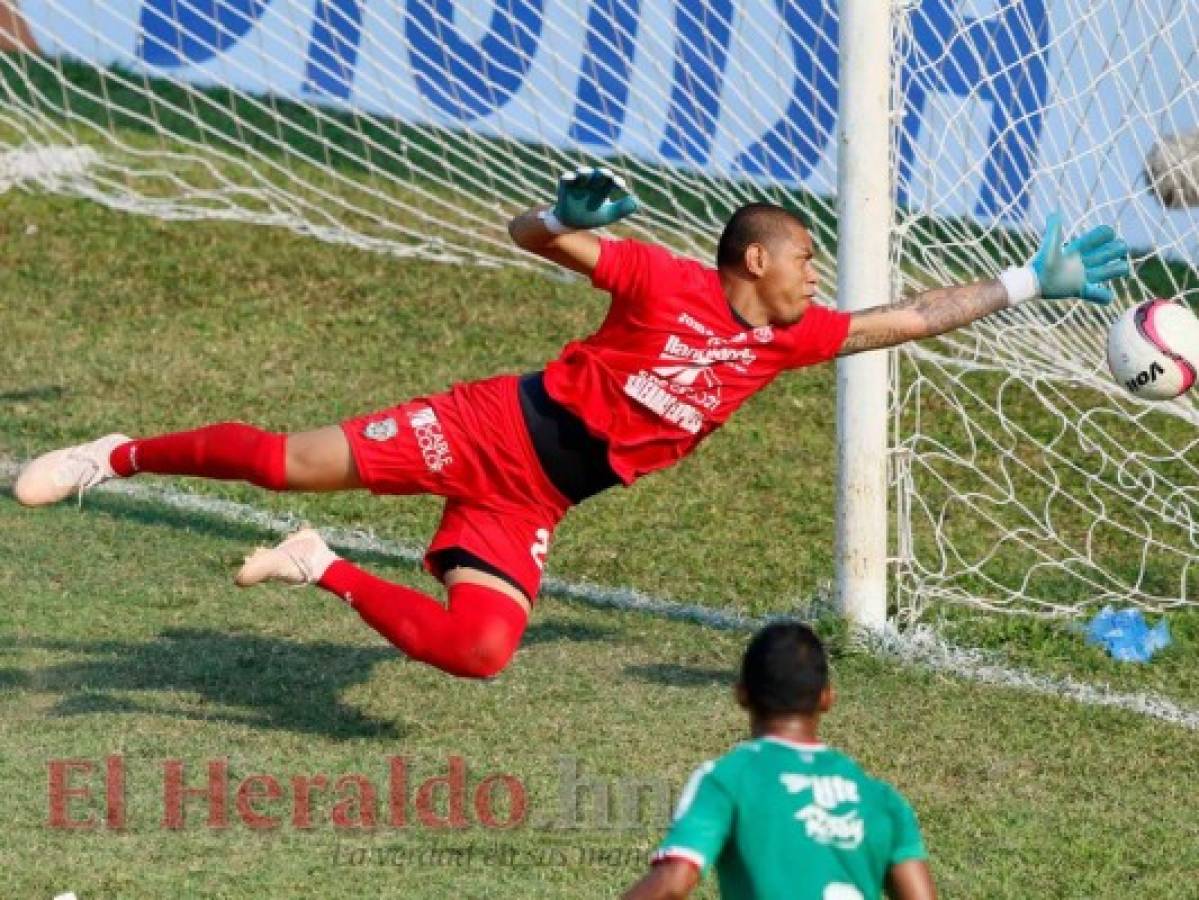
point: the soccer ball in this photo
(1153, 350)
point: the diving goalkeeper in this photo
(682, 347)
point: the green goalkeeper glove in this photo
(589, 198)
(1080, 268)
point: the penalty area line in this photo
(920, 646)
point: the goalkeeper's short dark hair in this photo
(784, 670)
(754, 223)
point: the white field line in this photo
(920, 646)
(48, 165)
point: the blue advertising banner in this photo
(1001, 111)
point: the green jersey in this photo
(800, 821)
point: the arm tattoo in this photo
(936, 312)
(875, 338)
(944, 309)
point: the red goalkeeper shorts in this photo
(470, 445)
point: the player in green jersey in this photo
(782, 815)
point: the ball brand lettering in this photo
(1145, 376)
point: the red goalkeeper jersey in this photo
(671, 362)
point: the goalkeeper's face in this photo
(789, 279)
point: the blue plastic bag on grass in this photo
(1126, 635)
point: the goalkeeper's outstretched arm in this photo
(575, 250)
(1082, 268)
(923, 315)
(587, 198)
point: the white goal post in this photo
(865, 210)
(998, 468)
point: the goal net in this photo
(1023, 478)
(416, 127)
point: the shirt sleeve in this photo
(908, 843)
(702, 821)
(818, 336)
(627, 269)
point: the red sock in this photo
(232, 451)
(474, 638)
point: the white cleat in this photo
(57, 475)
(300, 559)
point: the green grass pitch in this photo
(121, 634)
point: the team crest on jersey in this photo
(763, 334)
(381, 430)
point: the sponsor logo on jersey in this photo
(541, 546)
(846, 830)
(381, 430)
(430, 438)
(685, 384)
(654, 394)
(827, 790)
(694, 324)
(762, 334)
(715, 352)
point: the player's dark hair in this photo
(784, 670)
(754, 223)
